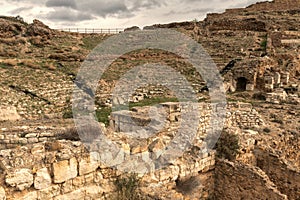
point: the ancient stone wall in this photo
(64, 170)
(23, 135)
(239, 114)
(58, 170)
(40, 167)
(284, 176)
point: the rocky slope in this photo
(257, 49)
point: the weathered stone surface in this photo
(20, 178)
(2, 194)
(42, 179)
(28, 196)
(64, 170)
(49, 192)
(93, 192)
(88, 164)
(75, 195)
(9, 113)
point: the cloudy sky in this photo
(114, 13)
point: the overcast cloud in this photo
(115, 13)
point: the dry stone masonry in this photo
(60, 169)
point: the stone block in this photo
(33, 140)
(75, 195)
(20, 179)
(67, 186)
(9, 113)
(78, 181)
(49, 192)
(88, 164)
(93, 192)
(42, 179)
(2, 194)
(250, 87)
(65, 170)
(28, 196)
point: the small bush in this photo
(127, 187)
(227, 146)
(68, 114)
(259, 96)
(267, 130)
(264, 43)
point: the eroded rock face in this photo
(20, 179)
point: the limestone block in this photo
(93, 191)
(49, 192)
(77, 194)
(78, 181)
(33, 140)
(42, 179)
(65, 170)
(9, 113)
(31, 135)
(28, 196)
(89, 178)
(269, 87)
(20, 178)
(88, 164)
(2, 194)
(38, 149)
(67, 186)
(250, 87)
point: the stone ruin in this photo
(36, 165)
(254, 76)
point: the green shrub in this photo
(152, 101)
(267, 130)
(227, 146)
(264, 43)
(127, 187)
(68, 114)
(103, 115)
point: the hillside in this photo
(256, 49)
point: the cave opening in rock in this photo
(241, 84)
